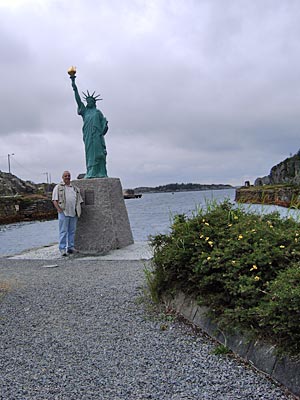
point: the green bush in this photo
(280, 310)
(244, 266)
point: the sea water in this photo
(151, 214)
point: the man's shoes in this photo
(65, 253)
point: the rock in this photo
(26, 208)
(24, 200)
(285, 196)
(286, 172)
(11, 185)
(262, 181)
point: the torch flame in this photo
(72, 71)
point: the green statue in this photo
(94, 128)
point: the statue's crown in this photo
(91, 96)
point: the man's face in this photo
(66, 177)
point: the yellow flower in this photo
(253, 267)
(282, 246)
(271, 226)
(233, 262)
(256, 278)
(206, 223)
(207, 238)
(229, 224)
(201, 236)
(297, 234)
(210, 243)
(240, 237)
(296, 240)
(253, 230)
(235, 217)
(208, 258)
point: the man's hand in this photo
(55, 203)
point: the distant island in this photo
(181, 187)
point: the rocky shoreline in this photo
(24, 200)
(26, 208)
(279, 195)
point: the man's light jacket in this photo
(62, 198)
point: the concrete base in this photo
(104, 223)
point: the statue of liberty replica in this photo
(94, 129)
(104, 223)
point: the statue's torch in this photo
(72, 72)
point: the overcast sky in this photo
(204, 91)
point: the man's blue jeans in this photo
(67, 228)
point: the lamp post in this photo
(47, 175)
(8, 158)
(48, 181)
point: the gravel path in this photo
(80, 331)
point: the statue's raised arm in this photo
(76, 93)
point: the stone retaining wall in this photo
(285, 370)
(20, 208)
(280, 196)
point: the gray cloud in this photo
(193, 91)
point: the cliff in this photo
(286, 172)
(11, 185)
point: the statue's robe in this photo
(94, 128)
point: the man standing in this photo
(67, 200)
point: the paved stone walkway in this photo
(136, 251)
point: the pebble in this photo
(81, 331)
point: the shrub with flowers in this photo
(244, 266)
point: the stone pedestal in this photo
(104, 223)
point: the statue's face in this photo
(90, 102)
